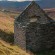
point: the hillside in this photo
(19, 6)
(6, 23)
(50, 12)
(6, 49)
(7, 34)
(7, 26)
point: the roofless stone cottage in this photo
(34, 30)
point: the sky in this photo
(19, 0)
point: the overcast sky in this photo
(19, 0)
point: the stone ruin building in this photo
(34, 30)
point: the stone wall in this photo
(40, 37)
(19, 36)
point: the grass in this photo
(8, 37)
(6, 23)
(6, 49)
(6, 27)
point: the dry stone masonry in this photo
(34, 30)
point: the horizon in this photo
(18, 5)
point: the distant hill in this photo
(50, 12)
(19, 6)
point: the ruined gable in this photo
(34, 30)
(33, 10)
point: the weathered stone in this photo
(34, 30)
(40, 36)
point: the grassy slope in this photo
(6, 49)
(6, 26)
(6, 22)
(6, 31)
